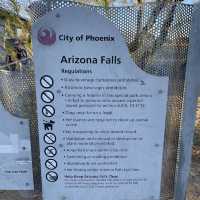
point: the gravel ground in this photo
(194, 179)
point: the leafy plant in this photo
(16, 27)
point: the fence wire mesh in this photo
(157, 35)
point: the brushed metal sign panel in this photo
(101, 118)
(15, 153)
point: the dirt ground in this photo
(194, 179)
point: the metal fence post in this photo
(192, 90)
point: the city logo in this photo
(46, 36)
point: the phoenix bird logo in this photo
(46, 36)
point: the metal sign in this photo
(106, 116)
(15, 153)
